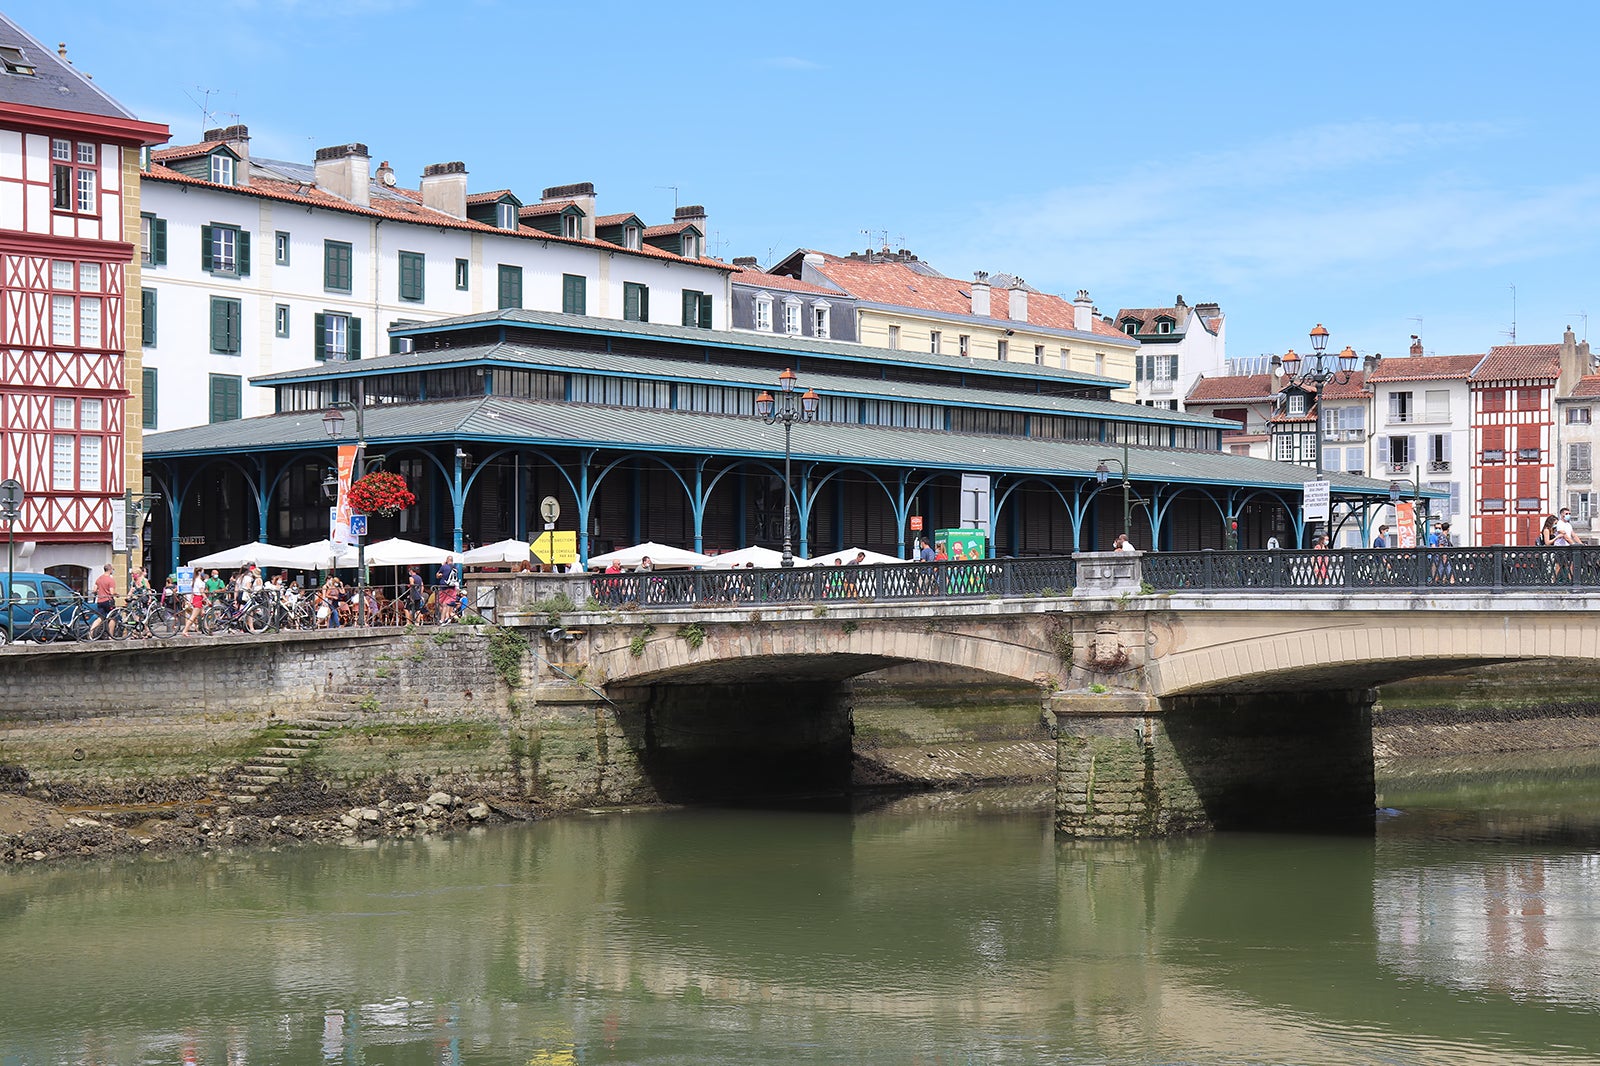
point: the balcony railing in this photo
(1474, 570)
(1438, 466)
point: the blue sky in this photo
(1361, 165)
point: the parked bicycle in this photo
(143, 617)
(245, 615)
(74, 621)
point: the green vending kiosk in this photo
(962, 544)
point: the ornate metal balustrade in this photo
(1007, 578)
(1436, 569)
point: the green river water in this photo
(927, 930)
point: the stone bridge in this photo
(1170, 712)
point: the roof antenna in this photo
(674, 189)
(1585, 316)
(204, 104)
(1512, 332)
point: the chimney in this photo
(1019, 301)
(237, 138)
(1416, 344)
(1083, 312)
(748, 262)
(385, 174)
(346, 171)
(580, 193)
(444, 188)
(695, 215)
(1575, 363)
(980, 294)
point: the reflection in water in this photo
(912, 933)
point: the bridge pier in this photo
(1130, 765)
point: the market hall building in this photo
(651, 432)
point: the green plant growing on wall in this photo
(445, 635)
(594, 605)
(554, 606)
(1098, 689)
(369, 703)
(693, 634)
(819, 611)
(1146, 589)
(506, 650)
(636, 645)
(849, 627)
(1058, 631)
(382, 672)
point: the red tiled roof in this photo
(671, 227)
(1587, 386)
(615, 220)
(408, 210)
(1236, 388)
(1520, 362)
(761, 279)
(1425, 368)
(1354, 389)
(898, 285)
(187, 151)
(489, 197)
(551, 207)
(1146, 317)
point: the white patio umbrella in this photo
(319, 554)
(850, 553)
(263, 555)
(501, 551)
(398, 552)
(762, 557)
(663, 556)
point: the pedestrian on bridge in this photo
(1382, 539)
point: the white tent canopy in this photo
(872, 558)
(397, 552)
(761, 557)
(263, 555)
(663, 556)
(501, 551)
(319, 553)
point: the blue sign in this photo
(358, 525)
(185, 580)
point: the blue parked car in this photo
(35, 594)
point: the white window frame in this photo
(505, 215)
(63, 462)
(1579, 416)
(691, 246)
(88, 277)
(224, 249)
(791, 315)
(630, 237)
(569, 226)
(934, 337)
(64, 413)
(91, 415)
(761, 311)
(894, 338)
(820, 324)
(335, 336)
(90, 468)
(221, 168)
(1296, 404)
(63, 321)
(91, 333)
(963, 344)
(1002, 350)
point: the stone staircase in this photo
(274, 763)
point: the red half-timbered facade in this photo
(68, 188)
(1513, 438)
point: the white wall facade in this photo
(1433, 418)
(1200, 353)
(182, 355)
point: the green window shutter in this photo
(147, 313)
(219, 325)
(158, 242)
(224, 397)
(691, 307)
(574, 294)
(510, 287)
(244, 253)
(644, 303)
(705, 311)
(355, 338)
(411, 275)
(235, 325)
(635, 302)
(148, 395)
(319, 331)
(205, 247)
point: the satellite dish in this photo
(388, 178)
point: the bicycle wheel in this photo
(214, 620)
(163, 622)
(93, 626)
(48, 627)
(256, 619)
(121, 624)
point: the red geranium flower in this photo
(381, 492)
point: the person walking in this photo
(1382, 539)
(925, 553)
(414, 601)
(448, 579)
(105, 597)
(197, 604)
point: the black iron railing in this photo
(1436, 569)
(889, 582)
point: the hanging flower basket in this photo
(381, 492)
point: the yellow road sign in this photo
(557, 546)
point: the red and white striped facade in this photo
(1513, 438)
(64, 273)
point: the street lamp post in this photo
(10, 509)
(1319, 370)
(785, 409)
(1102, 474)
(333, 422)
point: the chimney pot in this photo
(444, 188)
(1019, 301)
(980, 294)
(744, 261)
(346, 171)
(1083, 312)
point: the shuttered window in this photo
(411, 272)
(337, 263)
(226, 329)
(147, 317)
(335, 336)
(696, 309)
(574, 294)
(152, 240)
(225, 394)
(148, 394)
(510, 288)
(223, 249)
(635, 302)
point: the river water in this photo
(926, 931)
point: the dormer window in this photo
(1130, 327)
(505, 215)
(763, 311)
(222, 169)
(631, 239)
(791, 315)
(1163, 325)
(691, 246)
(1297, 403)
(569, 226)
(819, 319)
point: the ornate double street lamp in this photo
(1318, 371)
(333, 422)
(788, 409)
(1102, 473)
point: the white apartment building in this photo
(1178, 346)
(252, 266)
(1421, 429)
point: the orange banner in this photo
(1405, 534)
(341, 509)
